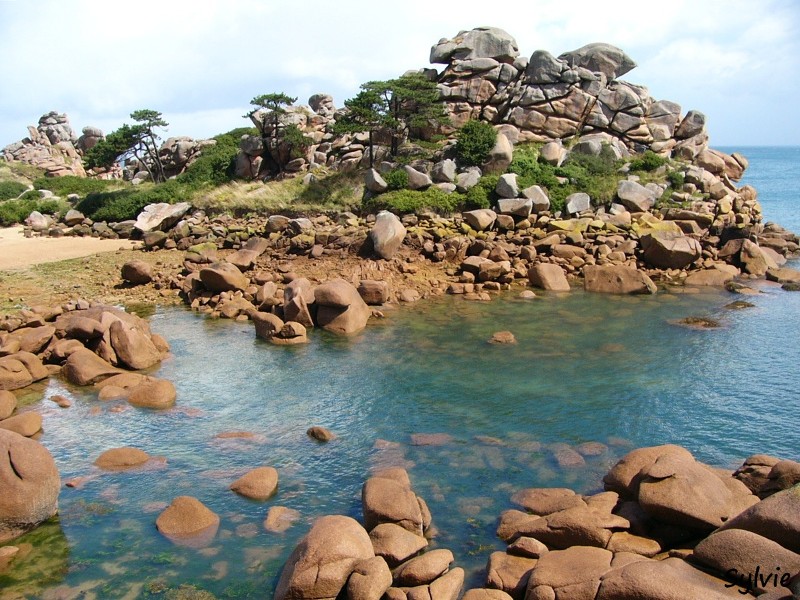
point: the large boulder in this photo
(625, 477)
(153, 393)
(617, 279)
(776, 518)
(30, 483)
(84, 367)
(188, 522)
(223, 277)
(669, 579)
(681, 491)
(26, 424)
(500, 156)
(322, 562)
(744, 551)
(137, 272)
(577, 569)
(387, 234)
(387, 500)
(133, 347)
(160, 216)
(424, 568)
(480, 219)
(670, 250)
(341, 308)
(634, 196)
(8, 402)
(509, 573)
(481, 42)
(602, 58)
(370, 580)
(119, 459)
(548, 276)
(257, 484)
(395, 543)
(19, 370)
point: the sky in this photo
(200, 62)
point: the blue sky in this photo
(200, 62)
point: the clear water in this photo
(585, 368)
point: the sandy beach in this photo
(19, 252)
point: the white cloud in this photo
(100, 60)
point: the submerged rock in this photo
(188, 522)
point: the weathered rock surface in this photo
(187, 521)
(548, 276)
(324, 559)
(387, 234)
(117, 459)
(30, 483)
(617, 279)
(341, 308)
(258, 484)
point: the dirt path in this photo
(19, 252)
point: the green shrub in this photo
(411, 201)
(396, 179)
(71, 184)
(16, 211)
(121, 205)
(216, 164)
(649, 161)
(605, 163)
(11, 189)
(676, 179)
(482, 195)
(475, 141)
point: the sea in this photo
(472, 422)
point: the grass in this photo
(331, 192)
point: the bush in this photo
(605, 163)
(649, 161)
(71, 184)
(396, 179)
(121, 205)
(216, 164)
(11, 189)
(16, 211)
(475, 141)
(482, 195)
(676, 179)
(411, 201)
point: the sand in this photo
(19, 252)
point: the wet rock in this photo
(118, 459)
(266, 324)
(187, 521)
(156, 394)
(280, 518)
(25, 424)
(324, 559)
(320, 434)
(137, 272)
(30, 483)
(394, 543)
(502, 337)
(258, 484)
(341, 308)
(617, 279)
(423, 569)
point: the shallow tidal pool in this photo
(585, 368)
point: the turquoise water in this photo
(586, 368)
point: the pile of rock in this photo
(385, 558)
(86, 344)
(663, 523)
(543, 98)
(53, 146)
